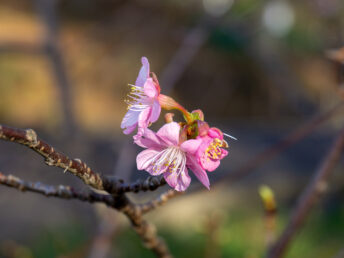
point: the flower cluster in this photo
(176, 147)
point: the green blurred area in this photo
(239, 233)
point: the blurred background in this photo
(258, 69)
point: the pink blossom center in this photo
(214, 150)
(172, 160)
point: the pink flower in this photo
(143, 104)
(210, 152)
(166, 155)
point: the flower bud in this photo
(169, 117)
(202, 127)
(268, 198)
(198, 114)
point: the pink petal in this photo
(143, 119)
(210, 165)
(130, 129)
(156, 109)
(224, 153)
(148, 139)
(170, 133)
(191, 146)
(144, 159)
(150, 89)
(129, 121)
(215, 133)
(206, 140)
(144, 72)
(130, 118)
(179, 182)
(198, 171)
(140, 132)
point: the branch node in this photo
(78, 160)
(50, 162)
(31, 136)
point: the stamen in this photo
(137, 100)
(230, 136)
(214, 150)
(172, 160)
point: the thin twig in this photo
(61, 191)
(182, 58)
(315, 189)
(20, 47)
(161, 200)
(29, 138)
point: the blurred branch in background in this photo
(281, 76)
(192, 43)
(107, 229)
(295, 136)
(50, 47)
(315, 189)
(337, 55)
(47, 11)
(19, 47)
(213, 224)
(340, 254)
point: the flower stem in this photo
(169, 103)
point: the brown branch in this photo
(114, 185)
(161, 200)
(315, 189)
(78, 168)
(61, 191)
(29, 138)
(145, 230)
